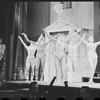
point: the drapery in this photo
(15, 55)
(27, 17)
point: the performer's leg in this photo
(57, 68)
(37, 67)
(63, 67)
(33, 63)
(27, 70)
(93, 69)
(90, 59)
(42, 67)
(69, 70)
(75, 65)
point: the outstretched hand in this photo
(19, 37)
(24, 34)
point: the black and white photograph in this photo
(50, 50)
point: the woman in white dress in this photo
(30, 60)
(40, 56)
(91, 54)
(60, 58)
(72, 60)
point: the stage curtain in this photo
(15, 51)
(27, 17)
(38, 14)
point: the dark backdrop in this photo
(15, 18)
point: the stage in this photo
(20, 89)
(42, 83)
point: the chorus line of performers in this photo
(64, 53)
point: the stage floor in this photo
(78, 85)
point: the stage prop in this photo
(52, 63)
(64, 30)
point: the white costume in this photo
(91, 55)
(72, 62)
(30, 60)
(40, 56)
(40, 60)
(60, 58)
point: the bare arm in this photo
(47, 42)
(22, 42)
(73, 34)
(46, 34)
(80, 40)
(30, 41)
(39, 39)
(97, 43)
(51, 38)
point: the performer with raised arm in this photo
(30, 60)
(91, 54)
(40, 56)
(50, 59)
(72, 60)
(59, 54)
(60, 58)
(71, 34)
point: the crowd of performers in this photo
(64, 55)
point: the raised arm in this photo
(80, 40)
(30, 41)
(97, 43)
(46, 33)
(47, 42)
(51, 38)
(39, 39)
(22, 42)
(73, 34)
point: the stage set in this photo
(67, 56)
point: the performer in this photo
(2, 56)
(60, 59)
(72, 60)
(91, 54)
(30, 60)
(49, 72)
(40, 56)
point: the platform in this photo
(20, 89)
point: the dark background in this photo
(15, 18)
